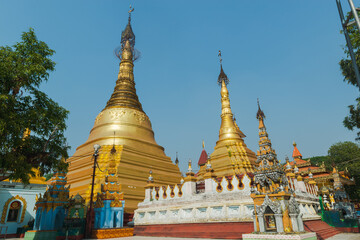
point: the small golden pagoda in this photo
(124, 126)
(231, 155)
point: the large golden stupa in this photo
(123, 130)
(231, 155)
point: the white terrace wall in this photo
(222, 200)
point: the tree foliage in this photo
(23, 67)
(352, 121)
(347, 155)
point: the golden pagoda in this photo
(231, 155)
(123, 127)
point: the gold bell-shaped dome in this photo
(122, 125)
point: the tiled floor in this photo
(346, 236)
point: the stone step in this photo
(322, 229)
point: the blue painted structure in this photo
(50, 208)
(49, 220)
(109, 217)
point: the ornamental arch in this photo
(14, 209)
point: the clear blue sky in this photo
(284, 52)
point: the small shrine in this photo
(109, 205)
(275, 209)
(50, 209)
(337, 210)
(74, 223)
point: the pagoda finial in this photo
(130, 11)
(260, 113)
(203, 144)
(177, 159)
(128, 34)
(222, 76)
(189, 166)
(219, 55)
(124, 94)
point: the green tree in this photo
(347, 155)
(23, 67)
(352, 121)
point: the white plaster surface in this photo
(227, 205)
(9, 190)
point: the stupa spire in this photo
(228, 129)
(230, 152)
(260, 116)
(265, 150)
(124, 94)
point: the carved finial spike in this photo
(219, 55)
(130, 11)
(203, 144)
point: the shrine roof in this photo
(319, 175)
(296, 152)
(306, 168)
(203, 158)
(298, 161)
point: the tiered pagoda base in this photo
(272, 236)
(112, 233)
(223, 230)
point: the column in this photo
(189, 188)
(300, 223)
(209, 185)
(254, 218)
(279, 223)
(148, 194)
(294, 222)
(108, 216)
(261, 223)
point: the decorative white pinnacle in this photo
(189, 168)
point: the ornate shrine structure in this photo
(276, 209)
(326, 181)
(124, 124)
(50, 209)
(109, 205)
(231, 155)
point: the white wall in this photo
(9, 190)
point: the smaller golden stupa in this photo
(231, 155)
